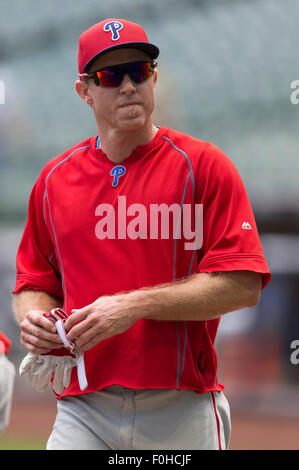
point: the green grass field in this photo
(21, 443)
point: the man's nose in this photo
(127, 86)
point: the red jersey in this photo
(94, 229)
(5, 343)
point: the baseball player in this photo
(143, 237)
(7, 378)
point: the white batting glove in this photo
(41, 367)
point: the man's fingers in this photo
(40, 333)
(37, 345)
(82, 335)
(77, 316)
(37, 318)
(29, 347)
(91, 343)
(43, 340)
(77, 330)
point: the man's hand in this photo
(106, 317)
(38, 334)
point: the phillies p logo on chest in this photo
(114, 27)
(116, 172)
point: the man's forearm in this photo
(202, 297)
(28, 300)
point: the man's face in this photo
(127, 107)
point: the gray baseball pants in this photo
(118, 418)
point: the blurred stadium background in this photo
(225, 71)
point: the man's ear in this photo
(82, 89)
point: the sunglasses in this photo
(113, 76)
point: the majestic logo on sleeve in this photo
(116, 172)
(246, 226)
(114, 27)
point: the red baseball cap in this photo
(111, 34)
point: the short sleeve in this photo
(36, 264)
(230, 237)
(5, 343)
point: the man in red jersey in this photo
(145, 236)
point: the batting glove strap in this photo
(56, 314)
(58, 317)
(70, 346)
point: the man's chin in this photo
(131, 124)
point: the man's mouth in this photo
(133, 103)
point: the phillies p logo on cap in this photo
(109, 34)
(114, 27)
